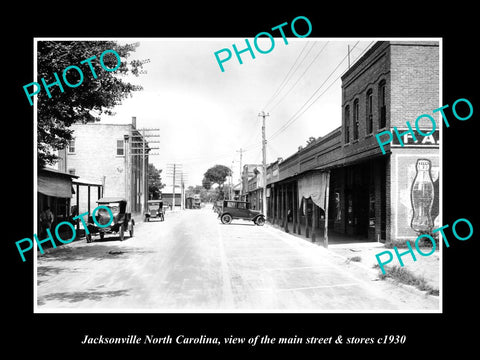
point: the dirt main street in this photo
(193, 263)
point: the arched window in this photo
(369, 112)
(347, 124)
(382, 104)
(355, 119)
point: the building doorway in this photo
(358, 199)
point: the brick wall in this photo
(414, 82)
(96, 156)
(414, 91)
(365, 76)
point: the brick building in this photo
(110, 154)
(342, 183)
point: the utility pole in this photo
(183, 176)
(139, 146)
(173, 170)
(231, 181)
(240, 173)
(173, 190)
(264, 164)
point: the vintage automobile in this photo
(154, 210)
(232, 209)
(122, 221)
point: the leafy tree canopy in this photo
(86, 102)
(154, 182)
(216, 175)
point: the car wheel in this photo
(260, 221)
(121, 233)
(131, 232)
(89, 238)
(226, 219)
(102, 235)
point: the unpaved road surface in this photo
(191, 262)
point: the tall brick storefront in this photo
(370, 195)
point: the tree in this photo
(206, 184)
(154, 182)
(216, 175)
(86, 102)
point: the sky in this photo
(205, 116)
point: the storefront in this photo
(342, 184)
(54, 191)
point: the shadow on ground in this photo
(77, 296)
(95, 251)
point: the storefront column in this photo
(287, 187)
(274, 203)
(299, 204)
(314, 220)
(307, 229)
(327, 205)
(294, 209)
(78, 206)
(281, 207)
(277, 206)
(88, 202)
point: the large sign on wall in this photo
(420, 140)
(417, 194)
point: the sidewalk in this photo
(361, 253)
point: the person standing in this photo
(46, 220)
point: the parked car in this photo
(197, 201)
(122, 221)
(232, 209)
(154, 210)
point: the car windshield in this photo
(153, 206)
(115, 207)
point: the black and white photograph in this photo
(244, 180)
(226, 186)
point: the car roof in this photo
(110, 200)
(154, 201)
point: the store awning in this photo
(54, 183)
(314, 186)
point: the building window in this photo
(369, 119)
(347, 124)
(355, 119)
(382, 101)
(120, 148)
(71, 146)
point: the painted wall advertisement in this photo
(417, 195)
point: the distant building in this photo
(110, 154)
(248, 173)
(168, 197)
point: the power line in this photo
(296, 82)
(294, 117)
(284, 81)
(329, 86)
